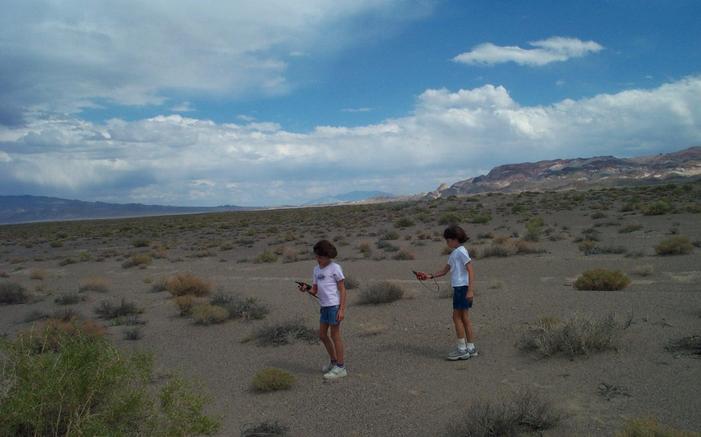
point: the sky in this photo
(266, 103)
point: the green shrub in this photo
(272, 379)
(278, 335)
(659, 207)
(249, 308)
(602, 280)
(674, 246)
(206, 314)
(576, 336)
(140, 259)
(12, 293)
(380, 292)
(449, 218)
(534, 229)
(404, 222)
(526, 413)
(140, 242)
(61, 380)
(390, 236)
(478, 217)
(630, 228)
(108, 311)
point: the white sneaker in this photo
(336, 372)
(327, 368)
(458, 354)
(473, 352)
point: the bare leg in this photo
(465, 317)
(337, 342)
(328, 344)
(459, 326)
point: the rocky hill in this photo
(562, 174)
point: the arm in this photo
(342, 295)
(315, 289)
(422, 276)
(471, 281)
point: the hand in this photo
(303, 287)
(340, 315)
(470, 296)
(421, 276)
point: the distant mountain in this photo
(353, 196)
(562, 174)
(19, 209)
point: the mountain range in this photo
(578, 173)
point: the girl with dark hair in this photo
(462, 279)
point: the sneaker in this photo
(458, 354)
(336, 372)
(473, 352)
(327, 368)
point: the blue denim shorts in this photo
(460, 301)
(328, 315)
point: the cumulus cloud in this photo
(66, 56)
(449, 135)
(554, 49)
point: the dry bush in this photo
(630, 228)
(12, 293)
(187, 283)
(206, 314)
(133, 334)
(524, 413)
(278, 335)
(380, 292)
(264, 429)
(404, 255)
(351, 283)
(686, 346)
(644, 270)
(109, 311)
(185, 304)
(577, 336)
(139, 259)
(249, 308)
(272, 379)
(160, 284)
(674, 246)
(38, 274)
(69, 299)
(94, 283)
(648, 427)
(602, 280)
(365, 249)
(266, 257)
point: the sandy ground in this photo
(399, 381)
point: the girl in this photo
(328, 286)
(462, 279)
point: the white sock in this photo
(461, 343)
(470, 345)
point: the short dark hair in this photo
(455, 232)
(325, 248)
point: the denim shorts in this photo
(328, 315)
(460, 301)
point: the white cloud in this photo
(554, 49)
(66, 56)
(353, 110)
(182, 107)
(450, 134)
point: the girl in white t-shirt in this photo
(328, 286)
(462, 280)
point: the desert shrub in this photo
(523, 248)
(206, 314)
(648, 427)
(94, 283)
(351, 283)
(266, 257)
(404, 222)
(66, 381)
(630, 228)
(140, 242)
(365, 249)
(449, 218)
(69, 299)
(67, 261)
(644, 270)
(478, 217)
(659, 207)
(272, 379)
(524, 413)
(38, 274)
(380, 292)
(133, 334)
(602, 280)
(160, 284)
(404, 255)
(264, 429)
(185, 304)
(495, 250)
(390, 236)
(386, 246)
(674, 246)
(598, 215)
(534, 229)
(576, 336)
(139, 259)
(12, 293)
(278, 335)
(35, 315)
(187, 283)
(249, 308)
(686, 345)
(109, 311)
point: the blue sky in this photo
(280, 103)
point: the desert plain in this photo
(528, 251)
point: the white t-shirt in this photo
(326, 280)
(458, 272)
